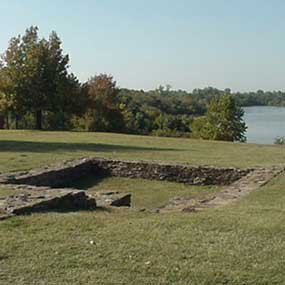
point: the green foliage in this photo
(103, 113)
(36, 70)
(261, 98)
(160, 112)
(170, 125)
(223, 121)
(279, 140)
(198, 127)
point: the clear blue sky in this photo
(188, 44)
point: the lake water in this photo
(264, 124)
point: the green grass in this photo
(5, 191)
(242, 243)
(147, 194)
(21, 150)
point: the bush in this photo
(279, 140)
(223, 121)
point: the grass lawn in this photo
(147, 194)
(29, 149)
(242, 243)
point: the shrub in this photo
(223, 121)
(279, 140)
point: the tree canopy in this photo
(223, 121)
(35, 74)
(103, 110)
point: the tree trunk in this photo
(17, 119)
(2, 122)
(39, 120)
(62, 121)
(7, 121)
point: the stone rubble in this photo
(31, 199)
(43, 199)
(234, 192)
(112, 199)
(41, 189)
(62, 175)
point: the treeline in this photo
(261, 98)
(38, 91)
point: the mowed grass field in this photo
(242, 243)
(28, 149)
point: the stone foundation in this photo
(180, 173)
(57, 176)
(39, 199)
(64, 174)
(31, 199)
(38, 191)
(232, 193)
(112, 199)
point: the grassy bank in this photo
(238, 244)
(27, 149)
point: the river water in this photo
(264, 124)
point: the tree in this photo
(38, 72)
(72, 102)
(223, 121)
(104, 112)
(7, 104)
(6, 107)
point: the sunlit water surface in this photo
(264, 124)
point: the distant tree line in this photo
(38, 91)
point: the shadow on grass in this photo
(72, 210)
(13, 221)
(87, 182)
(27, 146)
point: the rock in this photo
(113, 199)
(189, 210)
(37, 194)
(60, 175)
(64, 174)
(181, 173)
(235, 191)
(42, 200)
